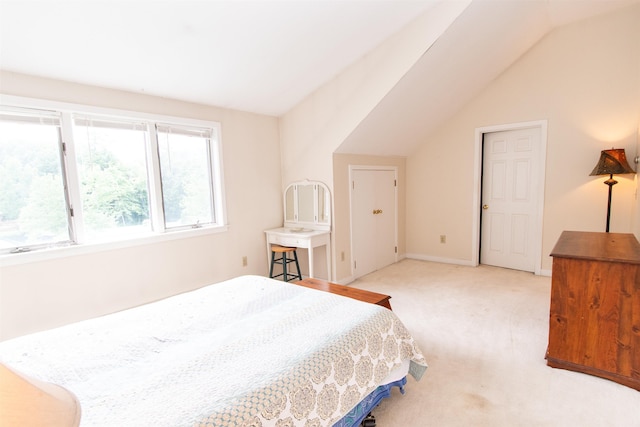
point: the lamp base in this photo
(610, 182)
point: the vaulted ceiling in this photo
(485, 39)
(266, 56)
(260, 56)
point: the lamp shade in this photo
(28, 402)
(611, 162)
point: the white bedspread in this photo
(250, 351)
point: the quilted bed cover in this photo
(250, 351)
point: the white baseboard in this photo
(441, 260)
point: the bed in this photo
(250, 351)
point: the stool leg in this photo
(284, 266)
(295, 257)
(273, 260)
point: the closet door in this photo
(373, 219)
(509, 198)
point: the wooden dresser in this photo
(594, 322)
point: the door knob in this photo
(377, 211)
(485, 207)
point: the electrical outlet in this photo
(244, 261)
(443, 238)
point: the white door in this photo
(373, 219)
(509, 199)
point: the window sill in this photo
(89, 248)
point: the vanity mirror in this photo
(307, 205)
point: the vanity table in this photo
(309, 240)
(307, 221)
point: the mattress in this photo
(250, 351)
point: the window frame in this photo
(211, 176)
(70, 171)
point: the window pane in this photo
(33, 208)
(112, 168)
(186, 182)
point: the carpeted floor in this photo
(484, 333)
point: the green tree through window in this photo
(111, 178)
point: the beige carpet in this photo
(484, 333)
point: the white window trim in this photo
(90, 248)
(86, 248)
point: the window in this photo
(33, 204)
(71, 177)
(112, 174)
(186, 176)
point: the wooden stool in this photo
(284, 261)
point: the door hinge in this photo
(71, 210)
(64, 148)
(396, 249)
(353, 185)
(354, 265)
(395, 182)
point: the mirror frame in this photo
(319, 188)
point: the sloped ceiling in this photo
(266, 56)
(483, 41)
(261, 56)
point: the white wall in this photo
(312, 131)
(636, 166)
(316, 127)
(45, 294)
(583, 79)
